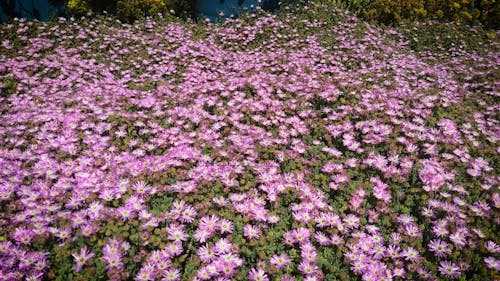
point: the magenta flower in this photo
(23, 235)
(301, 235)
(225, 269)
(432, 175)
(203, 274)
(308, 268)
(492, 263)
(399, 272)
(225, 226)
(209, 223)
(176, 233)
(206, 253)
(125, 213)
(410, 254)
(174, 248)
(289, 238)
(81, 258)
(202, 235)
(336, 240)
(187, 215)
(257, 275)
(251, 231)
(458, 238)
(113, 261)
(492, 247)
(280, 261)
(351, 221)
(171, 274)
(145, 274)
(440, 248)
(322, 239)
(449, 269)
(222, 246)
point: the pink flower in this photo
(209, 223)
(23, 235)
(358, 266)
(351, 221)
(145, 274)
(225, 226)
(399, 272)
(174, 248)
(289, 238)
(287, 277)
(222, 246)
(433, 175)
(473, 172)
(336, 240)
(410, 254)
(280, 261)
(440, 248)
(81, 258)
(322, 239)
(413, 231)
(147, 102)
(226, 269)
(113, 261)
(206, 253)
(458, 238)
(308, 268)
(492, 247)
(251, 232)
(201, 235)
(492, 263)
(187, 215)
(449, 269)
(203, 274)
(171, 274)
(257, 275)
(301, 234)
(125, 213)
(176, 233)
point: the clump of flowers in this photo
(270, 147)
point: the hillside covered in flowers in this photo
(307, 145)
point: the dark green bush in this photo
(182, 8)
(83, 7)
(130, 10)
(390, 11)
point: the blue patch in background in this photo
(216, 9)
(31, 9)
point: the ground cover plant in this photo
(302, 146)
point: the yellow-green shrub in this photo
(391, 11)
(394, 11)
(79, 7)
(130, 10)
(83, 7)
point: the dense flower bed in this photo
(297, 147)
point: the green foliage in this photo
(131, 10)
(394, 11)
(160, 204)
(182, 8)
(355, 6)
(83, 7)
(79, 7)
(388, 11)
